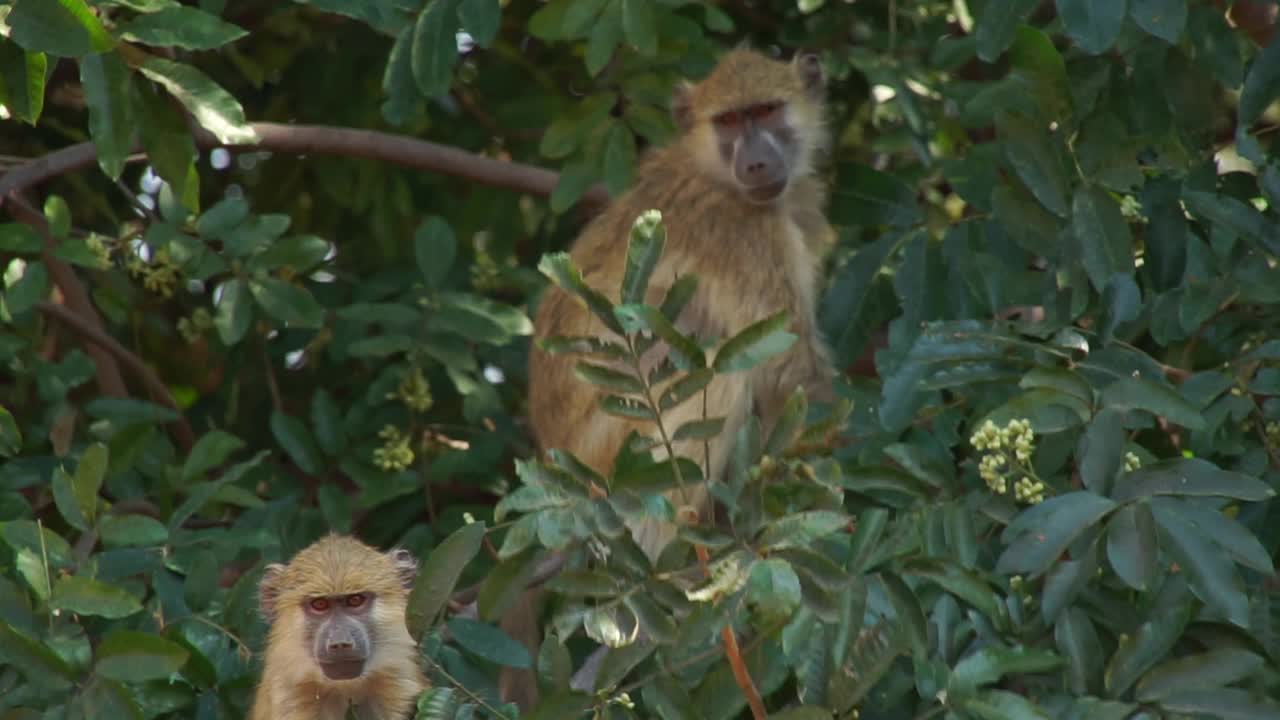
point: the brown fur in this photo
(751, 261)
(292, 686)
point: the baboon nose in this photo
(340, 645)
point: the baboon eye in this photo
(764, 110)
(356, 600)
(727, 119)
(319, 604)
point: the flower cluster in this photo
(395, 454)
(160, 276)
(98, 247)
(194, 327)
(414, 391)
(1131, 462)
(1008, 451)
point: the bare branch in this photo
(326, 140)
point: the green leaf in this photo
(562, 271)
(287, 303)
(164, 134)
(129, 656)
(870, 197)
(326, 419)
(292, 435)
(202, 493)
(19, 238)
(37, 663)
(1261, 85)
(685, 388)
(608, 378)
(481, 19)
(1147, 646)
(579, 16)
(644, 248)
(606, 34)
(698, 430)
(1190, 477)
(119, 531)
(774, 587)
(996, 26)
(1211, 578)
(29, 291)
(480, 319)
(489, 642)
(210, 451)
(435, 248)
(628, 408)
(907, 611)
(87, 482)
(653, 620)
(181, 26)
(67, 28)
(574, 180)
(234, 312)
(65, 500)
(108, 93)
(989, 664)
(755, 344)
(86, 596)
(10, 435)
(22, 75)
(802, 528)
(1227, 533)
(1092, 26)
(653, 478)
(213, 107)
(1132, 546)
(1212, 669)
(619, 157)
(962, 583)
(1039, 535)
(1230, 703)
(789, 425)
(1105, 244)
(1165, 19)
(685, 353)
(435, 47)
(439, 575)
(299, 253)
(1139, 393)
(1077, 640)
(1030, 151)
(640, 25)
(1101, 451)
(127, 411)
(1002, 705)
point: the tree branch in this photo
(182, 429)
(326, 140)
(110, 382)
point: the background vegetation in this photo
(1055, 294)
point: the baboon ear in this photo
(812, 76)
(682, 107)
(406, 566)
(269, 590)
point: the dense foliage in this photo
(1048, 490)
